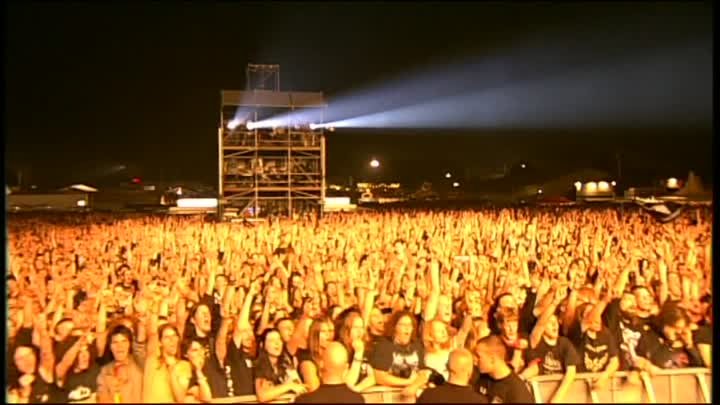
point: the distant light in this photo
(540, 191)
(233, 124)
(613, 183)
(578, 185)
(603, 186)
(591, 187)
(456, 184)
(249, 125)
(197, 203)
(33, 187)
(331, 129)
(374, 163)
(448, 175)
(81, 203)
(672, 182)
(136, 180)
(179, 191)
(523, 165)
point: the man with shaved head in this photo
(496, 380)
(333, 370)
(457, 389)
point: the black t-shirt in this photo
(527, 318)
(627, 332)
(331, 394)
(211, 368)
(239, 368)
(703, 335)
(451, 394)
(80, 386)
(554, 359)
(399, 361)
(265, 370)
(659, 351)
(364, 364)
(509, 390)
(595, 354)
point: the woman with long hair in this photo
(188, 382)
(353, 335)
(274, 375)
(322, 332)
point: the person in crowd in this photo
(400, 360)
(322, 332)
(162, 356)
(669, 346)
(494, 378)
(121, 381)
(457, 389)
(188, 381)
(274, 376)
(353, 335)
(333, 387)
(77, 372)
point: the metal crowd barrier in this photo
(688, 386)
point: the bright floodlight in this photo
(233, 124)
(578, 185)
(672, 182)
(314, 126)
(250, 125)
(374, 163)
(448, 175)
(456, 184)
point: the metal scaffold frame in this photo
(278, 170)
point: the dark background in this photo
(90, 86)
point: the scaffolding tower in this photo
(274, 170)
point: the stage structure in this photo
(270, 170)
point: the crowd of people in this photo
(446, 306)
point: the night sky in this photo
(90, 86)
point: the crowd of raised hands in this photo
(183, 309)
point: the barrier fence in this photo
(688, 386)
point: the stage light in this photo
(591, 187)
(374, 163)
(603, 186)
(448, 175)
(233, 124)
(578, 185)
